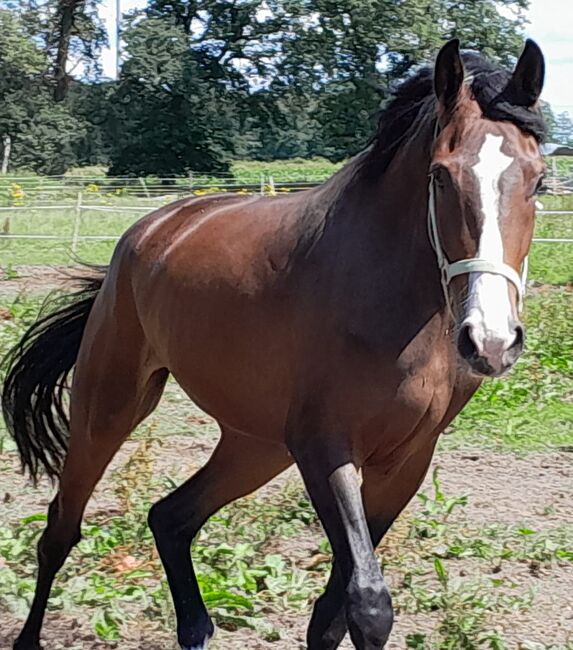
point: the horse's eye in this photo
(438, 174)
(540, 185)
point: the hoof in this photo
(22, 644)
(202, 645)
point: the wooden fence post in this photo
(7, 145)
(142, 183)
(78, 216)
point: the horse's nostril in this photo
(519, 340)
(466, 345)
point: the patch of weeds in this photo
(433, 519)
(498, 543)
(532, 408)
(464, 607)
(10, 273)
(116, 573)
(463, 603)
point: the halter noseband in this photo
(450, 270)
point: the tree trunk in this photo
(7, 147)
(65, 18)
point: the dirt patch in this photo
(508, 488)
(535, 491)
(34, 279)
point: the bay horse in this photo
(341, 329)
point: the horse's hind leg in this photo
(111, 395)
(238, 466)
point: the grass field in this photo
(483, 559)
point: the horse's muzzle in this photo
(490, 356)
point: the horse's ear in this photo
(527, 80)
(449, 74)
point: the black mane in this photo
(414, 102)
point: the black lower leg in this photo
(53, 548)
(360, 591)
(328, 625)
(174, 526)
(238, 466)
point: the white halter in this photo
(450, 270)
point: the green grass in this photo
(120, 577)
(296, 169)
(115, 578)
(533, 407)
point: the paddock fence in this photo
(80, 209)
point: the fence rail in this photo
(79, 208)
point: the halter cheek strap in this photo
(450, 270)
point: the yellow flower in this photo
(16, 191)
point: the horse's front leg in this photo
(334, 487)
(384, 495)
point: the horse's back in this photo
(218, 236)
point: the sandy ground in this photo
(536, 491)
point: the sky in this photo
(551, 25)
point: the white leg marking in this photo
(489, 307)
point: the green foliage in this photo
(531, 408)
(464, 607)
(119, 573)
(549, 117)
(205, 81)
(435, 512)
(42, 134)
(165, 119)
(343, 57)
(563, 129)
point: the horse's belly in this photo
(233, 360)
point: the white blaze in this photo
(489, 306)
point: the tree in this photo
(347, 53)
(165, 118)
(68, 33)
(77, 31)
(91, 104)
(230, 40)
(549, 117)
(205, 80)
(40, 135)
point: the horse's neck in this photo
(389, 213)
(403, 191)
(369, 251)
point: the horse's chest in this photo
(393, 387)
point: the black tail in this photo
(33, 398)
